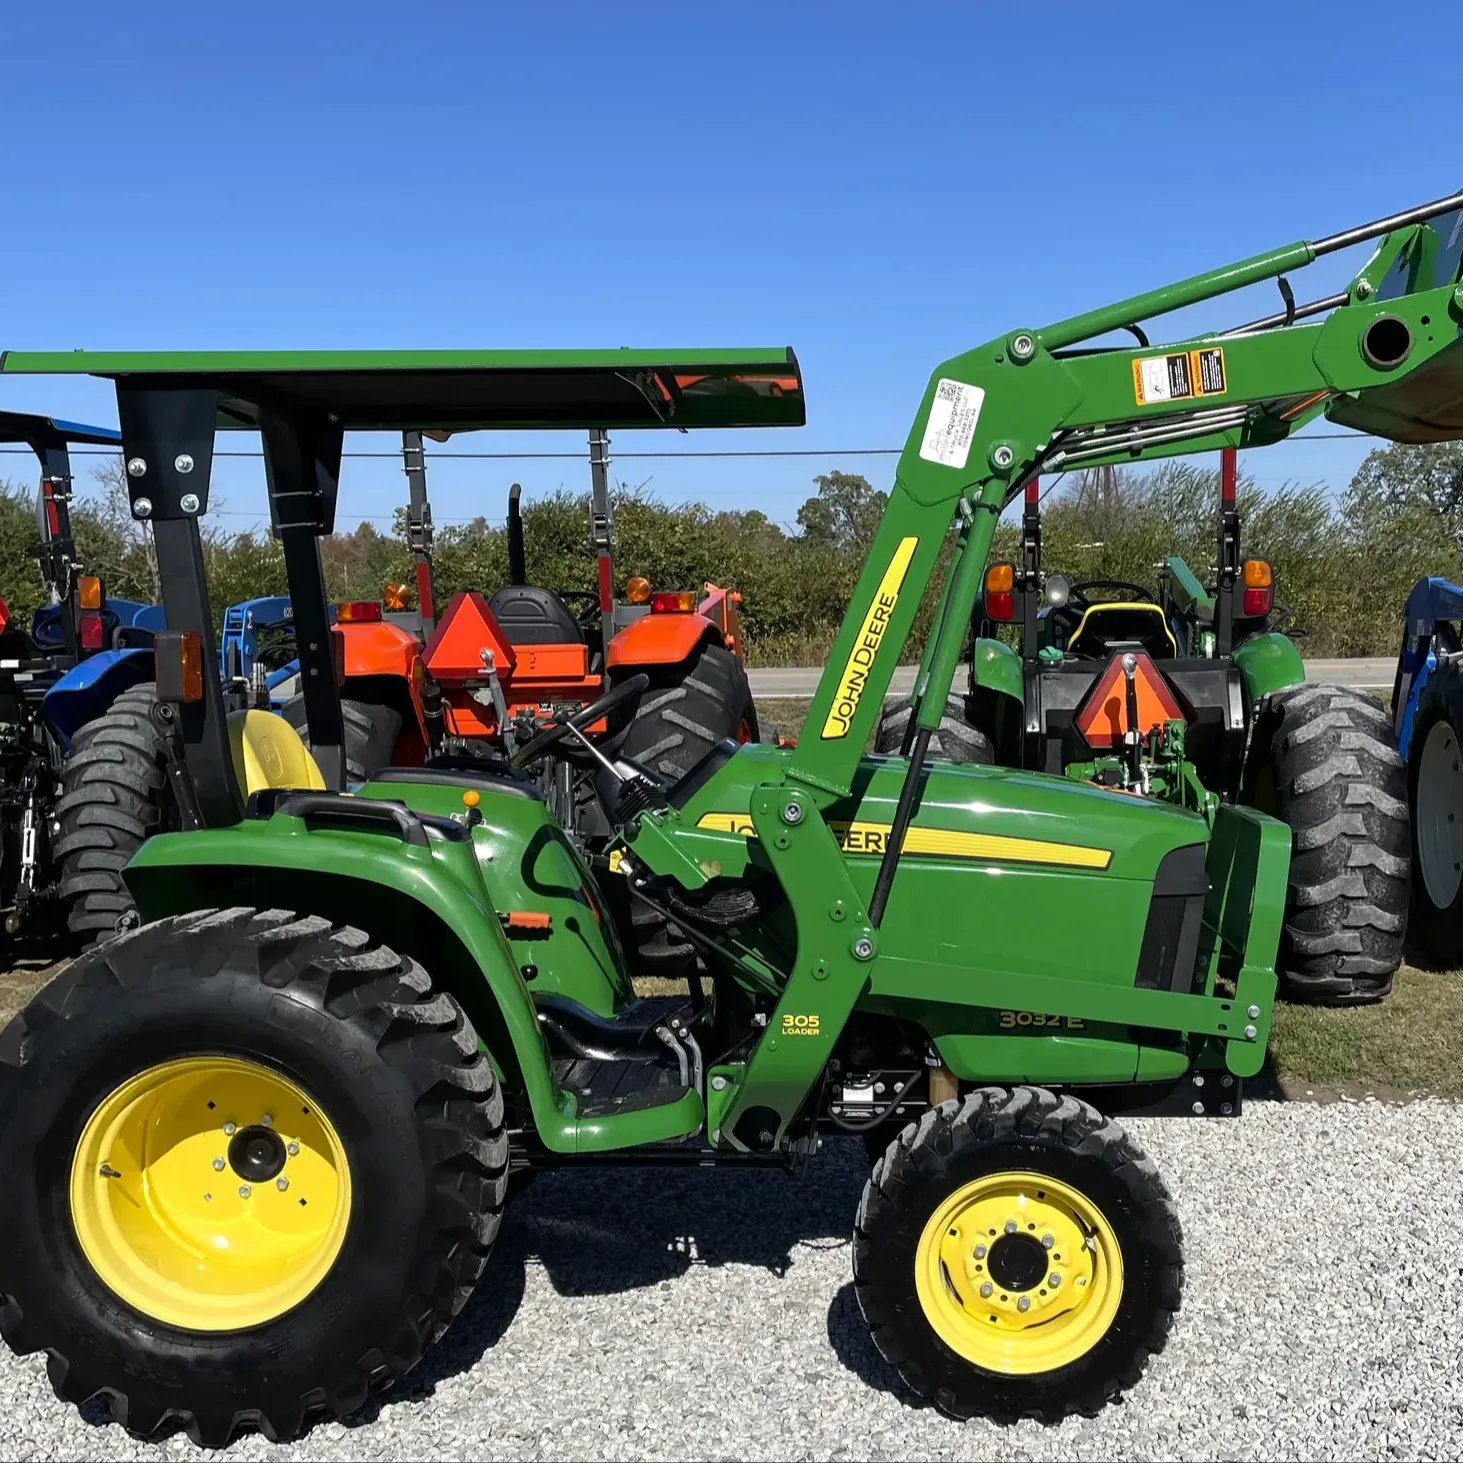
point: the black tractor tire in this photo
(1435, 796)
(1026, 1130)
(956, 741)
(1323, 760)
(114, 795)
(371, 731)
(395, 1068)
(686, 710)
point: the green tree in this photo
(845, 512)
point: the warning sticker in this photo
(1179, 376)
(951, 426)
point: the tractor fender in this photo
(426, 902)
(1267, 663)
(90, 687)
(384, 666)
(996, 667)
(663, 640)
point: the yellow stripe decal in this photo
(871, 838)
(866, 648)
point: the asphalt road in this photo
(794, 681)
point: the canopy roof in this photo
(20, 426)
(447, 391)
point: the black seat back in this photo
(533, 616)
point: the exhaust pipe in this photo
(517, 565)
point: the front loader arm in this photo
(1027, 403)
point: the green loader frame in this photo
(416, 991)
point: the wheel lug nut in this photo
(1024, 1304)
(218, 1165)
(1047, 1241)
(244, 1191)
(266, 1120)
(292, 1149)
(980, 1252)
(230, 1129)
(1053, 1280)
(281, 1184)
(1012, 1226)
(985, 1290)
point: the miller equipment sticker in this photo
(1179, 376)
(951, 425)
(870, 637)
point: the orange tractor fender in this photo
(391, 657)
(667, 639)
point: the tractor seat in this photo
(1122, 625)
(533, 616)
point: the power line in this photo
(642, 456)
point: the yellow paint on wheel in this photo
(1018, 1273)
(171, 1224)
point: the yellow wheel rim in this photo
(1018, 1273)
(210, 1193)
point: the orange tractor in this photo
(492, 672)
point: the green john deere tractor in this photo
(257, 1150)
(1194, 694)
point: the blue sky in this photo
(879, 186)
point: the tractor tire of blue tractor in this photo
(956, 740)
(114, 795)
(371, 731)
(1435, 795)
(1322, 759)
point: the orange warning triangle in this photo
(467, 628)
(1103, 719)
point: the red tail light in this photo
(1000, 597)
(89, 629)
(4, 613)
(356, 611)
(1259, 593)
(673, 602)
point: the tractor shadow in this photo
(606, 1231)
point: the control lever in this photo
(1134, 736)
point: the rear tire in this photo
(1322, 760)
(1435, 797)
(1119, 1247)
(391, 1067)
(371, 731)
(687, 709)
(114, 795)
(956, 740)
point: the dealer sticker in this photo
(951, 425)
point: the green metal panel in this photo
(1268, 663)
(171, 874)
(466, 390)
(995, 666)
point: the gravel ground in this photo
(640, 1315)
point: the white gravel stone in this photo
(643, 1314)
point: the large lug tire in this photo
(1323, 761)
(956, 741)
(301, 1320)
(1011, 1189)
(1435, 796)
(114, 795)
(687, 709)
(371, 731)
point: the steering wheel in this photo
(627, 691)
(587, 617)
(1078, 591)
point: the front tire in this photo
(383, 1112)
(1323, 761)
(1435, 796)
(1016, 1255)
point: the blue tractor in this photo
(81, 652)
(1427, 710)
